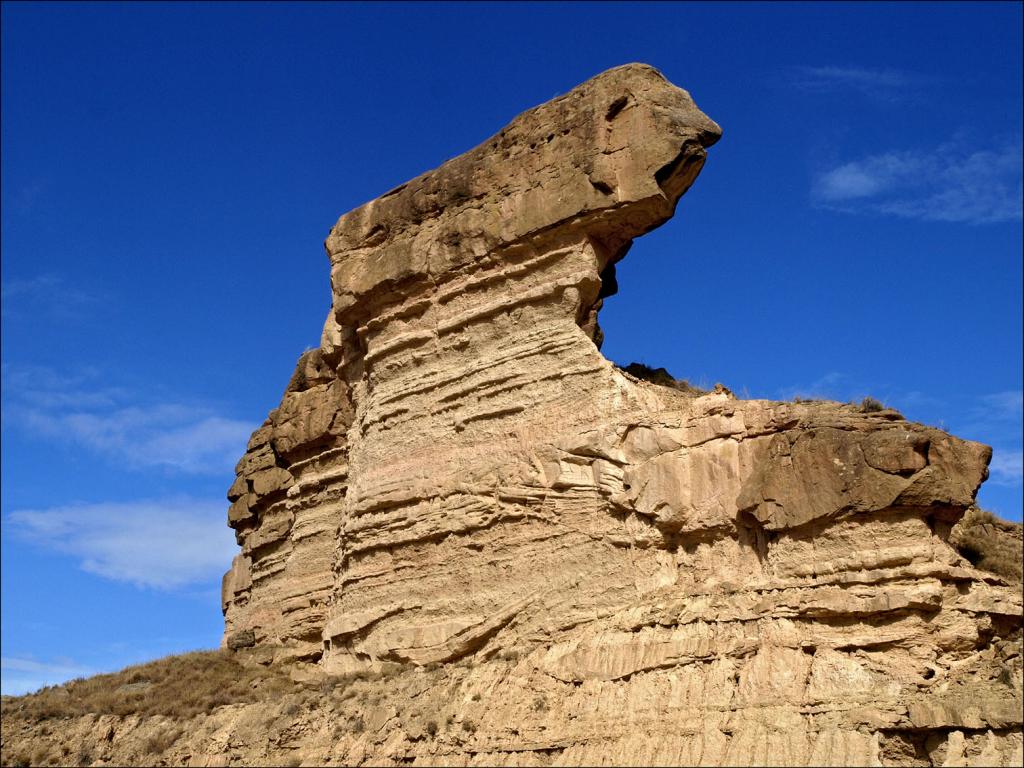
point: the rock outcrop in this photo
(457, 477)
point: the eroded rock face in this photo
(457, 474)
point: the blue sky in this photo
(170, 172)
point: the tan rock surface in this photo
(458, 474)
(572, 565)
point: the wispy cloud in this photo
(1006, 406)
(882, 83)
(28, 286)
(46, 296)
(831, 386)
(996, 419)
(112, 421)
(21, 675)
(995, 414)
(952, 183)
(1007, 467)
(841, 387)
(25, 197)
(159, 543)
(182, 438)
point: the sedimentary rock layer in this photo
(458, 475)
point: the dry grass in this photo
(662, 377)
(180, 688)
(990, 543)
(176, 686)
(184, 686)
(160, 742)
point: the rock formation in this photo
(457, 477)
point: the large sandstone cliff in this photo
(456, 476)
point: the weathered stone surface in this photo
(457, 476)
(243, 638)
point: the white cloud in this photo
(997, 420)
(42, 387)
(19, 675)
(28, 286)
(995, 416)
(952, 183)
(884, 83)
(1002, 406)
(847, 182)
(830, 386)
(187, 439)
(1007, 467)
(26, 196)
(46, 296)
(159, 543)
(114, 422)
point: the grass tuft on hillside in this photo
(990, 543)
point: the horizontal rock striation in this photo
(458, 475)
